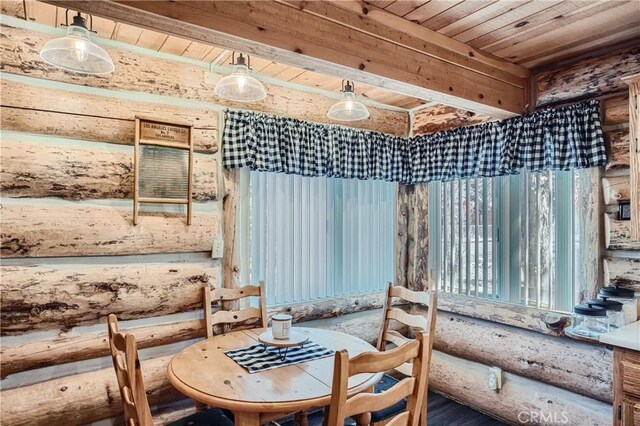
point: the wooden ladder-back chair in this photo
(360, 406)
(235, 316)
(416, 322)
(124, 352)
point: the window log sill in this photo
(538, 320)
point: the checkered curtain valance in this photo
(280, 144)
(551, 139)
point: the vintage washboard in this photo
(163, 164)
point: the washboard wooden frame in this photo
(172, 130)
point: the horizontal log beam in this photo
(499, 312)
(618, 146)
(616, 110)
(588, 78)
(67, 347)
(173, 412)
(580, 368)
(137, 72)
(331, 307)
(439, 118)
(81, 399)
(32, 228)
(466, 382)
(256, 27)
(85, 116)
(622, 272)
(45, 297)
(617, 234)
(365, 325)
(74, 170)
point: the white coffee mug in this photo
(281, 325)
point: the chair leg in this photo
(325, 416)
(301, 418)
(423, 412)
(363, 419)
(199, 406)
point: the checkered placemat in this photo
(259, 358)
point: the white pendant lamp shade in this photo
(348, 109)
(76, 52)
(240, 85)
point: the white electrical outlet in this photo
(218, 247)
(495, 378)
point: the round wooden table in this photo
(203, 372)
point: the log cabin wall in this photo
(546, 372)
(601, 76)
(70, 252)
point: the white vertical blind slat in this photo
(294, 280)
(315, 238)
(306, 238)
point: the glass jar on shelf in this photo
(589, 320)
(613, 308)
(626, 297)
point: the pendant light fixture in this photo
(240, 85)
(348, 109)
(75, 51)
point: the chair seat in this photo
(210, 417)
(385, 383)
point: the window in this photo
(314, 238)
(511, 238)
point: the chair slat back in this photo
(415, 321)
(412, 388)
(372, 362)
(117, 346)
(369, 402)
(124, 354)
(219, 295)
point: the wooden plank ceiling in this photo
(55, 16)
(530, 33)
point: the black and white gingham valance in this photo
(279, 144)
(551, 139)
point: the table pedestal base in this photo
(243, 418)
(301, 418)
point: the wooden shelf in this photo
(593, 340)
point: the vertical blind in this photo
(314, 238)
(510, 238)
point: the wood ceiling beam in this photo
(287, 34)
(380, 23)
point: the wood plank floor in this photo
(440, 412)
(445, 412)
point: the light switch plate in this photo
(218, 247)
